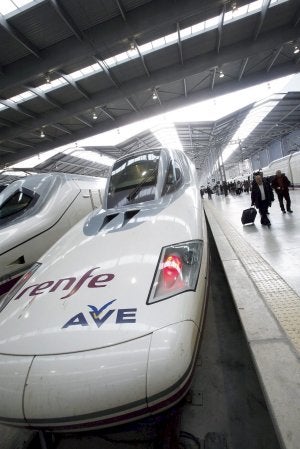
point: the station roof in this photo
(70, 69)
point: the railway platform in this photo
(262, 266)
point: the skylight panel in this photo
(132, 54)
(146, 48)
(91, 156)
(171, 38)
(241, 11)
(185, 32)
(255, 6)
(76, 75)
(158, 43)
(111, 62)
(87, 70)
(121, 57)
(167, 135)
(57, 83)
(20, 3)
(44, 87)
(254, 117)
(211, 23)
(198, 28)
(26, 95)
(23, 97)
(8, 6)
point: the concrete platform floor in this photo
(262, 268)
(279, 245)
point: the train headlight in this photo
(177, 270)
(6, 299)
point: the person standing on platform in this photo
(209, 192)
(281, 185)
(262, 197)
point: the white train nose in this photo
(102, 387)
(171, 361)
(13, 374)
(88, 389)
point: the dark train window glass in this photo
(16, 203)
(133, 180)
(173, 179)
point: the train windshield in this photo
(133, 180)
(15, 203)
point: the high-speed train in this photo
(289, 165)
(104, 328)
(35, 212)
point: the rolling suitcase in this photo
(248, 215)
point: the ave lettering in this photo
(100, 316)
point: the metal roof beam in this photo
(6, 123)
(43, 95)
(115, 82)
(213, 78)
(276, 53)
(6, 150)
(63, 13)
(121, 9)
(243, 67)
(16, 107)
(21, 142)
(107, 72)
(15, 34)
(264, 9)
(84, 122)
(220, 28)
(106, 113)
(297, 18)
(179, 43)
(153, 16)
(166, 75)
(154, 109)
(61, 128)
(142, 58)
(184, 87)
(73, 83)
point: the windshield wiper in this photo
(132, 195)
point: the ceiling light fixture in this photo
(132, 46)
(95, 116)
(221, 74)
(233, 6)
(42, 134)
(296, 49)
(154, 94)
(47, 78)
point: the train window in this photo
(16, 203)
(133, 180)
(173, 178)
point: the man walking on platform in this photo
(262, 197)
(281, 186)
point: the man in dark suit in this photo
(262, 197)
(281, 185)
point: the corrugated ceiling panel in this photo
(42, 26)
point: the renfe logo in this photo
(96, 281)
(122, 316)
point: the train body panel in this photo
(55, 203)
(289, 165)
(108, 322)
